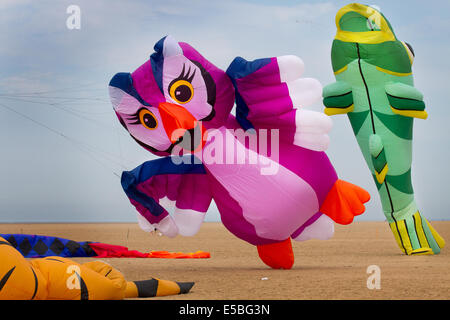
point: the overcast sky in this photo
(62, 149)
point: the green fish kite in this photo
(374, 87)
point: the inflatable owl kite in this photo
(265, 168)
(374, 87)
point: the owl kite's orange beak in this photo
(177, 120)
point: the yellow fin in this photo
(411, 113)
(419, 230)
(439, 240)
(329, 111)
(396, 236)
(382, 175)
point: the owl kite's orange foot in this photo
(278, 255)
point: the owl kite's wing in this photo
(269, 95)
(166, 181)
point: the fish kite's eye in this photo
(147, 119)
(409, 51)
(181, 91)
(410, 48)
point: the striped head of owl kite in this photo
(176, 94)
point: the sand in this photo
(331, 269)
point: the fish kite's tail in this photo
(413, 233)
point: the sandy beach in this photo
(332, 269)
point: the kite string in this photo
(74, 142)
(74, 112)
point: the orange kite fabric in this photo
(104, 250)
(39, 246)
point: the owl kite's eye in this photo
(181, 91)
(147, 119)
